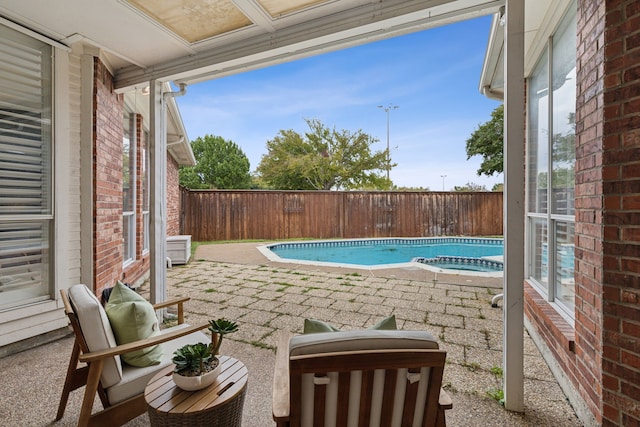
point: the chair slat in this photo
(388, 405)
(319, 400)
(410, 401)
(366, 391)
(344, 385)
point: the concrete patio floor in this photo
(237, 282)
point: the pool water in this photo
(449, 252)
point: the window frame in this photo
(547, 288)
(146, 163)
(129, 216)
(30, 252)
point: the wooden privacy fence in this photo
(275, 215)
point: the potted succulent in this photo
(197, 366)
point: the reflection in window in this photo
(565, 283)
(128, 187)
(538, 147)
(539, 258)
(145, 193)
(551, 147)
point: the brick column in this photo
(620, 112)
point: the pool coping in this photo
(273, 257)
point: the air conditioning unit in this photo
(179, 249)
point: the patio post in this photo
(514, 205)
(157, 193)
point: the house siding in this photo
(73, 169)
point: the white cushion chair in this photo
(120, 386)
(377, 378)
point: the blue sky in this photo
(432, 76)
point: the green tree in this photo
(323, 159)
(470, 186)
(487, 141)
(221, 164)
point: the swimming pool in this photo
(458, 254)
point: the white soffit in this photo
(194, 40)
(326, 32)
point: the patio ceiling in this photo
(194, 40)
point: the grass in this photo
(497, 394)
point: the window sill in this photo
(542, 313)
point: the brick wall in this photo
(619, 48)
(173, 197)
(108, 127)
(589, 231)
(108, 113)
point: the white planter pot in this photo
(197, 383)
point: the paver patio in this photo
(266, 298)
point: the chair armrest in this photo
(281, 390)
(175, 301)
(445, 401)
(168, 303)
(137, 345)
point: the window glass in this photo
(564, 118)
(26, 214)
(564, 280)
(538, 147)
(128, 187)
(551, 144)
(145, 192)
(539, 256)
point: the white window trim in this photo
(131, 215)
(547, 291)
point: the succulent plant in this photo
(193, 359)
(190, 359)
(219, 328)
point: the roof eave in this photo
(492, 75)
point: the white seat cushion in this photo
(134, 380)
(360, 340)
(96, 330)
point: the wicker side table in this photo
(219, 405)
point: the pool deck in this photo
(238, 282)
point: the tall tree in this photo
(323, 159)
(487, 141)
(221, 164)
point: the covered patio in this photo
(236, 281)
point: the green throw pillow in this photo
(133, 318)
(312, 326)
(387, 324)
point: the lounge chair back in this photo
(364, 378)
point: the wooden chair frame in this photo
(89, 375)
(289, 370)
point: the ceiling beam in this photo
(365, 23)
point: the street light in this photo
(443, 177)
(386, 110)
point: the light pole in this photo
(386, 110)
(443, 177)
